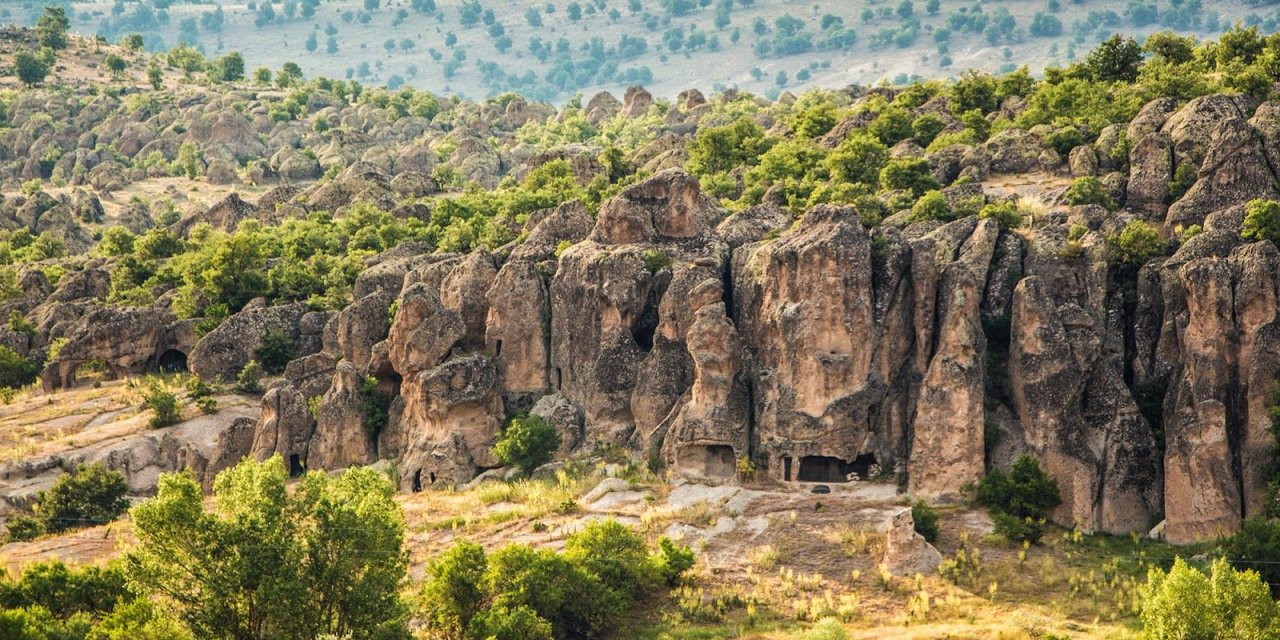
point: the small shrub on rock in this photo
(1089, 190)
(926, 520)
(1261, 221)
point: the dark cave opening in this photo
(172, 361)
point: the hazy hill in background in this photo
(552, 50)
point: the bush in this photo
(1185, 604)
(90, 495)
(21, 528)
(1255, 547)
(1261, 221)
(909, 174)
(926, 520)
(1137, 243)
(207, 404)
(930, 206)
(527, 442)
(275, 352)
(15, 370)
(581, 593)
(673, 560)
(452, 594)
(376, 408)
(1006, 214)
(502, 623)
(1088, 190)
(1025, 493)
(250, 379)
(163, 405)
(575, 602)
(615, 554)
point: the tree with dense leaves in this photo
(265, 563)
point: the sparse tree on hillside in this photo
(116, 65)
(31, 69)
(52, 28)
(155, 74)
(132, 42)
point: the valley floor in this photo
(771, 558)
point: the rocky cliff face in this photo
(813, 349)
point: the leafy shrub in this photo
(207, 404)
(1137, 243)
(1006, 214)
(1255, 547)
(581, 594)
(259, 539)
(931, 206)
(1183, 178)
(1185, 604)
(1088, 190)
(1261, 221)
(275, 352)
(909, 174)
(21, 528)
(926, 520)
(616, 555)
(15, 370)
(858, 159)
(502, 623)
(250, 379)
(527, 442)
(1019, 500)
(90, 495)
(375, 409)
(163, 405)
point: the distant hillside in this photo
(552, 50)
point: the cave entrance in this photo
(712, 461)
(295, 466)
(829, 469)
(417, 481)
(642, 331)
(497, 349)
(172, 361)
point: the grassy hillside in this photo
(551, 50)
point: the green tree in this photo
(265, 563)
(15, 370)
(132, 42)
(926, 520)
(1255, 547)
(1185, 604)
(250, 378)
(1020, 499)
(31, 69)
(858, 159)
(90, 495)
(452, 591)
(527, 442)
(155, 74)
(502, 623)
(909, 174)
(116, 65)
(720, 149)
(1116, 59)
(51, 28)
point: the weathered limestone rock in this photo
(1234, 171)
(907, 553)
(223, 352)
(341, 439)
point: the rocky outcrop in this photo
(126, 340)
(907, 553)
(222, 353)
